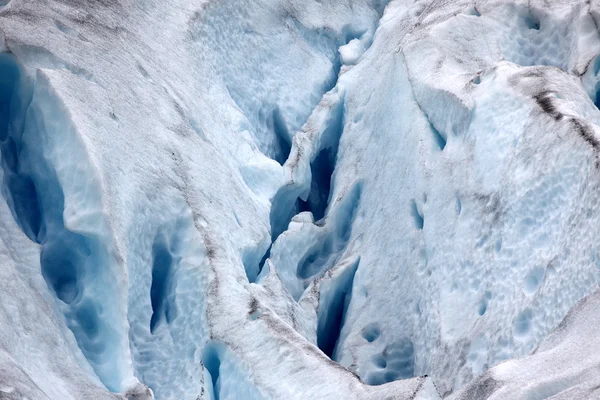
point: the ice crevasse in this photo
(300, 199)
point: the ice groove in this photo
(73, 264)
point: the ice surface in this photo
(356, 199)
(38, 358)
(562, 367)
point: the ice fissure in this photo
(161, 290)
(333, 305)
(292, 199)
(266, 199)
(212, 363)
(74, 260)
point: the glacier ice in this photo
(303, 199)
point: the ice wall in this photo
(302, 199)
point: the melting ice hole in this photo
(395, 362)
(61, 258)
(418, 219)
(532, 22)
(522, 324)
(163, 307)
(371, 332)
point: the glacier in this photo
(299, 199)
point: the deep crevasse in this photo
(299, 199)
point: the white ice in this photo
(269, 199)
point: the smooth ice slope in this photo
(268, 199)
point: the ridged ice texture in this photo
(480, 247)
(299, 199)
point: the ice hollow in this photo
(355, 199)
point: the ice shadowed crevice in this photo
(161, 290)
(253, 259)
(224, 376)
(322, 169)
(271, 119)
(261, 264)
(10, 81)
(61, 258)
(310, 192)
(281, 211)
(75, 267)
(166, 304)
(327, 251)
(417, 216)
(25, 202)
(334, 299)
(15, 96)
(276, 97)
(323, 166)
(327, 42)
(596, 71)
(282, 136)
(591, 81)
(68, 265)
(458, 205)
(311, 251)
(439, 139)
(74, 261)
(272, 102)
(449, 116)
(295, 197)
(323, 42)
(211, 359)
(288, 201)
(474, 11)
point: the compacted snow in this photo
(300, 199)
